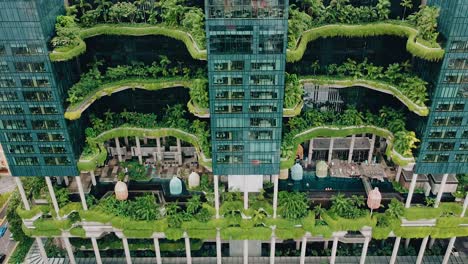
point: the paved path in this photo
(7, 184)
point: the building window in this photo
(43, 110)
(8, 96)
(263, 95)
(232, 44)
(11, 110)
(450, 107)
(271, 44)
(461, 158)
(228, 108)
(262, 80)
(26, 49)
(45, 124)
(262, 122)
(229, 159)
(261, 135)
(6, 82)
(18, 137)
(52, 149)
(26, 161)
(458, 64)
(262, 108)
(50, 137)
(459, 46)
(12, 124)
(2, 50)
(223, 135)
(30, 66)
(4, 66)
(462, 92)
(56, 161)
(229, 95)
(37, 96)
(21, 149)
(228, 65)
(35, 82)
(463, 146)
(264, 65)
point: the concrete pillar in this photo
(128, 258)
(158, 146)
(22, 193)
(145, 140)
(246, 199)
(448, 252)
(275, 195)
(246, 251)
(398, 173)
(411, 190)
(364, 250)
(422, 249)
(371, 150)
(396, 246)
(80, 190)
(119, 152)
(407, 241)
(187, 249)
(351, 149)
(330, 150)
(164, 141)
(52, 195)
(140, 158)
(311, 147)
(65, 179)
(334, 248)
(325, 244)
(69, 249)
(157, 249)
(440, 192)
(218, 247)
(272, 248)
(93, 177)
(179, 151)
(431, 242)
(97, 254)
(216, 191)
(126, 141)
(303, 249)
(42, 251)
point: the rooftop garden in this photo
(97, 83)
(396, 79)
(170, 18)
(388, 123)
(142, 125)
(341, 19)
(141, 216)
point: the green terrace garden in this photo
(127, 124)
(142, 215)
(170, 18)
(395, 79)
(341, 19)
(388, 123)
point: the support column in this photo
(140, 158)
(65, 179)
(422, 249)
(126, 141)
(311, 147)
(69, 249)
(96, 250)
(275, 194)
(126, 250)
(364, 250)
(411, 190)
(145, 140)
(158, 146)
(93, 177)
(246, 251)
(187, 249)
(407, 241)
(351, 149)
(219, 257)
(272, 247)
(119, 151)
(431, 242)
(371, 150)
(333, 253)
(452, 240)
(303, 249)
(42, 251)
(396, 246)
(440, 191)
(80, 190)
(246, 199)
(22, 193)
(330, 150)
(52, 195)
(179, 152)
(157, 249)
(325, 244)
(398, 173)
(216, 191)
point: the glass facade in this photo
(33, 131)
(246, 65)
(444, 147)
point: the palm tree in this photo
(319, 211)
(406, 4)
(315, 66)
(103, 6)
(83, 5)
(142, 7)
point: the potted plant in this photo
(120, 189)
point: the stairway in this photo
(34, 257)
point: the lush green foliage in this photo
(348, 208)
(142, 208)
(14, 220)
(293, 91)
(4, 198)
(294, 205)
(21, 251)
(136, 171)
